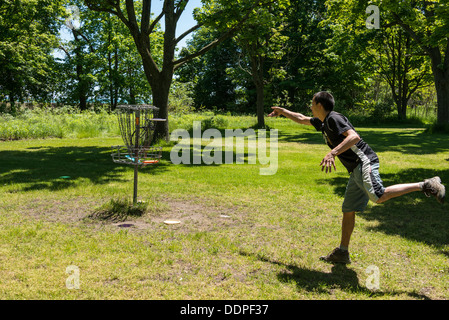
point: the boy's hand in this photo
(277, 111)
(328, 162)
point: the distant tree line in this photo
(243, 56)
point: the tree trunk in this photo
(82, 85)
(160, 82)
(257, 63)
(440, 72)
(160, 100)
(111, 86)
(442, 90)
(159, 79)
(260, 106)
(116, 86)
(132, 96)
(402, 111)
(12, 104)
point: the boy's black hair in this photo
(326, 100)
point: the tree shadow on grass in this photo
(422, 220)
(341, 277)
(57, 168)
(301, 136)
(189, 155)
(411, 141)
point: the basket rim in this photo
(150, 155)
(137, 107)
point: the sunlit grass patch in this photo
(241, 235)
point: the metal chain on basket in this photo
(142, 153)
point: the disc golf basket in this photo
(137, 124)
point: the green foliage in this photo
(387, 52)
(302, 55)
(425, 23)
(289, 48)
(101, 61)
(212, 86)
(28, 33)
(262, 41)
(180, 101)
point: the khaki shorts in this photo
(364, 184)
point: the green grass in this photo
(241, 236)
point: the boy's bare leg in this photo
(341, 254)
(399, 190)
(347, 226)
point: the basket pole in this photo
(136, 156)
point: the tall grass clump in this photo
(119, 210)
(210, 119)
(63, 122)
(69, 122)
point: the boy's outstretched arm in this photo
(297, 117)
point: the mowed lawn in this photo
(242, 235)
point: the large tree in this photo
(28, 34)
(213, 87)
(401, 64)
(101, 61)
(263, 42)
(318, 57)
(426, 22)
(227, 15)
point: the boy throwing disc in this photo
(361, 162)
